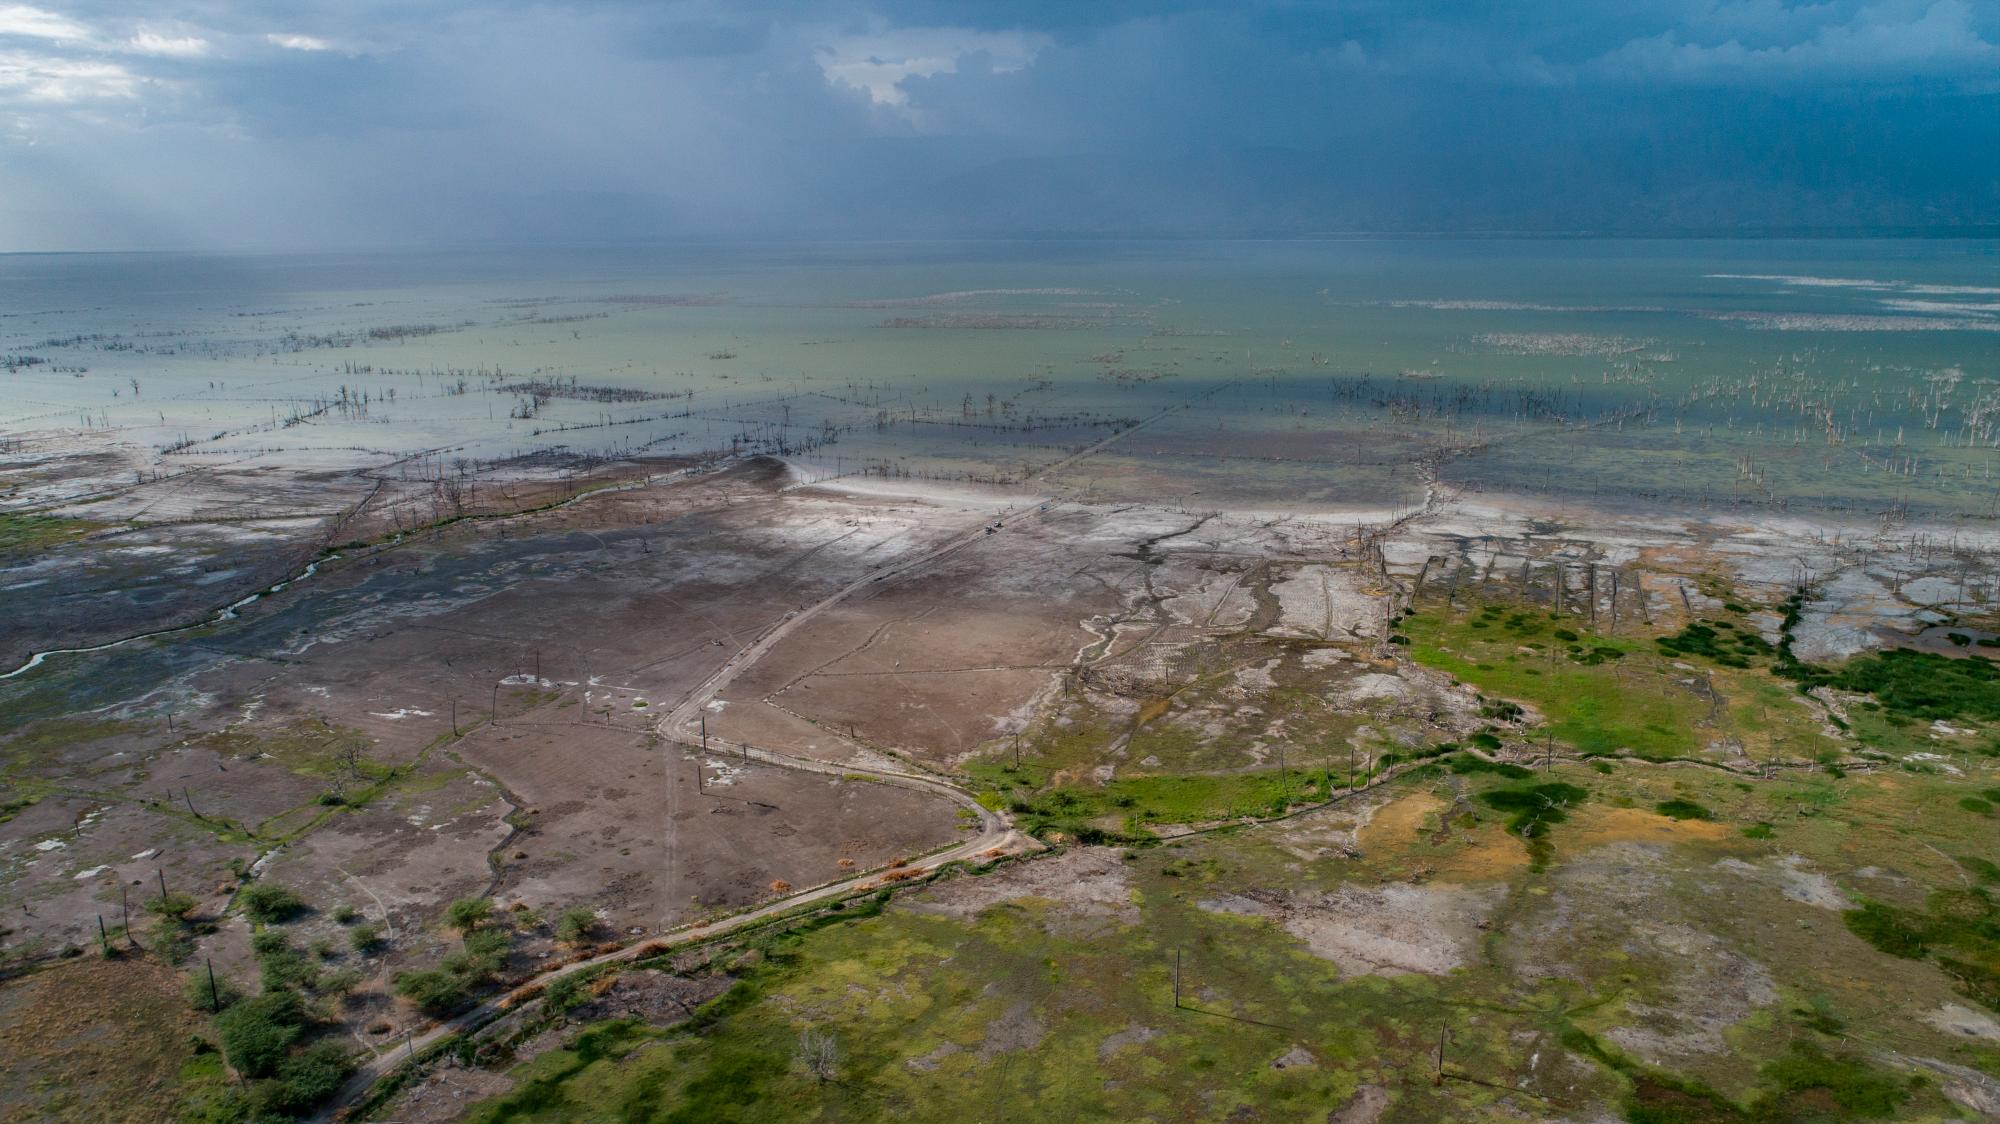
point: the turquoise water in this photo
(1843, 375)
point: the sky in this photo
(338, 124)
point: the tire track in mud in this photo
(880, 631)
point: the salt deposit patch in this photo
(1322, 602)
(1323, 657)
(1257, 677)
(1391, 930)
(1810, 887)
(1964, 1022)
(1367, 688)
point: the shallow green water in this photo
(1847, 375)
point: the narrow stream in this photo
(226, 613)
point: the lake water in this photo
(1842, 375)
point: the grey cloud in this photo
(453, 120)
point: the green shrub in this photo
(1975, 805)
(1716, 640)
(467, 914)
(337, 984)
(270, 905)
(484, 952)
(436, 991)
(1536, 807)
(311, 1076)
(1924, 685)
(564, 995)
(1683, 810)
(1464, 764)
(175, 905)
(196, 988)
(1987, 870)
(283, 966)
(364, 938)
(257, 1033)
(576, 925)
(1891, 930)
(346, 914)
(1859, 1090)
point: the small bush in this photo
(564, 995)
(311, 1076)
(1683, 810)
(436, 991)
(337, 984)
(364, 938)
(196, 988)
(1859, 1090)
(576, 925)
(1889, 929)
(1464, 764)
(1987, 870)
(467, 914)
(270, 905)
(1924, 685)
(1534, 808)
(175, 905)
(487, 946)
(1975, 805)
(283, 966)
(258, 1033)
(346, 914)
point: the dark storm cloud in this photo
(301, 123)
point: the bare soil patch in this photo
(1090, 882)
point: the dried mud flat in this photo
(486, 699)
(478, 710)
